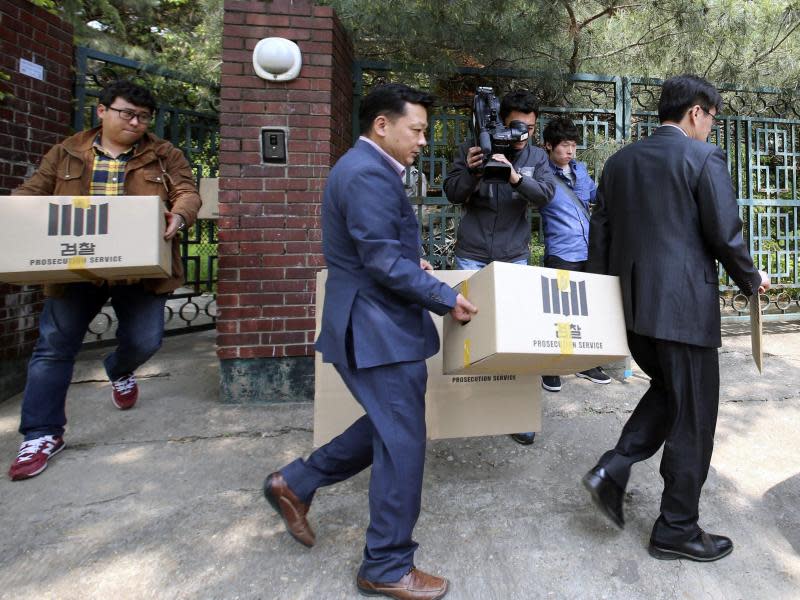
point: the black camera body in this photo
(492, 135)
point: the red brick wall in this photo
(37, 114)
(269, 226)
(34, 116)
(19, 322)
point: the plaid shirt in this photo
(108, 179)
(108, 174)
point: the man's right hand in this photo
(474, 158)
(764, 282)
(463, 310)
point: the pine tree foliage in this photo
(751, 42)
(748, 42)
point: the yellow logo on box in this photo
(564, 334)
(562, 277)
(76, 262)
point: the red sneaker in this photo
(124, 392)
(33, 456)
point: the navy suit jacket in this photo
(377, 297)
(666, 211)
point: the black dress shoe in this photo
(606, 494)
(526, 439)
(704, 547)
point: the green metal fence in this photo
(758, 131)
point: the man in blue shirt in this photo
(566, 217)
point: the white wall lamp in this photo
(277, 59)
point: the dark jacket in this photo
(666, 210)
(157, 168)
(376, 293)
(495, 223)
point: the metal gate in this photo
(758, 131)
(186, 116)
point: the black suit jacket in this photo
(666, 210)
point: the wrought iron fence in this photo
(186, 116)
(758, 131)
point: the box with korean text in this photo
(455, 406)
(536, 320)
(62, 239)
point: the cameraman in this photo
(494, 224)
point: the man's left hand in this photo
(765, 284)
(463, 310)
(513, 177)
(425, 265)
(175, 223)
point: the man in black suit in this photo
(666, 211)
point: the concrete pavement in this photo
(164, 501)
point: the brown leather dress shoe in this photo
(289, 507)
(414, 585)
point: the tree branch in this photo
(575, 34)
(576, 28)
(611, 9)
(521, 58)
(634, 45)
(774, 47)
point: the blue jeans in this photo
(468, 264)
(62, 326)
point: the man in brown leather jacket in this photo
(120, 157)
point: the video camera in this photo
(492, 135)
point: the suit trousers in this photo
(390, 437)
(679, 410)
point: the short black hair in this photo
(560, 129)
(679, 94)
(519, 100)
(127, 90)
(389, 100)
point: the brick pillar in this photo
(34, 115)
(269, 227)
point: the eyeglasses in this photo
(717, 120)
(127, 115)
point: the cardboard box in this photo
(455, 406)
(62, 239)
(536, 320)
(209, 194)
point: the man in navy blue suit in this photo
(377, 332)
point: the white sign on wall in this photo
(31, 69)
